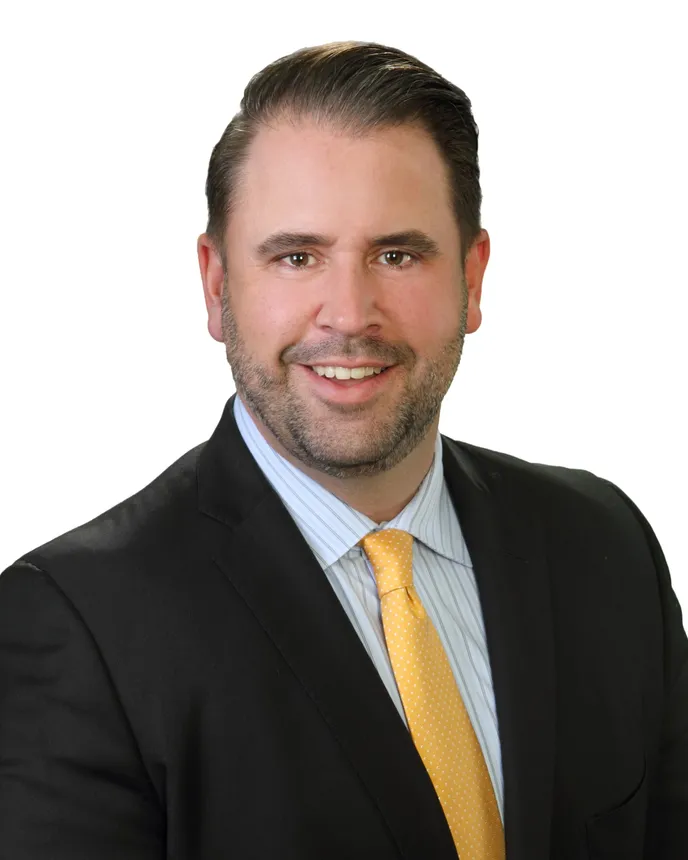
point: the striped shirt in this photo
(442, 575)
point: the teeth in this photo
(347, 372)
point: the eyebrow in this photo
(285, 240)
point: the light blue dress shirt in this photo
(442, 575)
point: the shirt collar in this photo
(331, 526)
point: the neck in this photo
(380, 497)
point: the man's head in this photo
(370, 157)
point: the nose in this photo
(348, 301)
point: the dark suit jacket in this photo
(178, 679)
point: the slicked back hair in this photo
(356, 87)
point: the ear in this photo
(212, 275)
(476, 262)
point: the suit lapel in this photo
(271, 566)
(504, 536)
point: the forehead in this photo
(329, 140)
(302, 167)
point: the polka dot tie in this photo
(440, 726)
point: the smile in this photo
(341, 386)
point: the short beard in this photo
(310, 442)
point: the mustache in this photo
(362, 348)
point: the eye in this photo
(394, 258)
(299, 257)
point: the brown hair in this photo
(357, 87)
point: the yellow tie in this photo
(440, 726)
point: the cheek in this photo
(429, 322)
(272, 324)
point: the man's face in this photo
(296, 304)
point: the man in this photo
(330, 631)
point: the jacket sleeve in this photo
(72, 782)
(667, 824)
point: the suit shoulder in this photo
(151, 513)
(544, 482)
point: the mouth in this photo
(335, 390)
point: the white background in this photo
(109, 114)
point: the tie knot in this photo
(391, 555)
